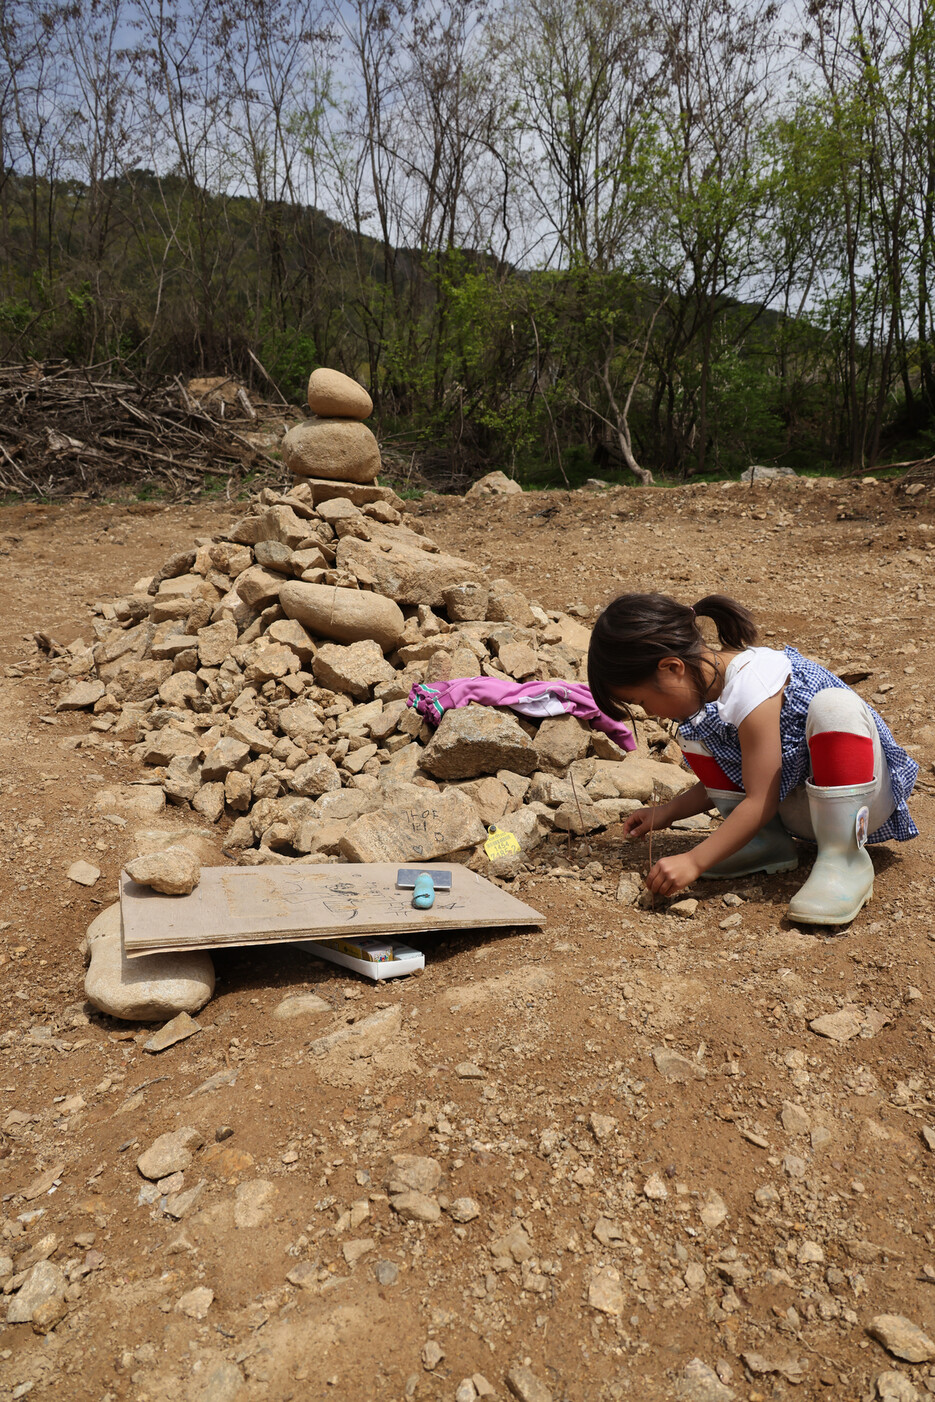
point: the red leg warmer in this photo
(840, 758)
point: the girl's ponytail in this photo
(735, 626)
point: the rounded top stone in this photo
(337, 396)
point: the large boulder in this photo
(636, 778)
(477, 740)
(430, 830)
(337, 396)
(353, 669)
(142, 990)
(403, 570)
(340, 449)
(346, 615)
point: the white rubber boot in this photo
(770, 850)
(841, 881)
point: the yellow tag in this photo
(500, 843)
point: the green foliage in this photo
(289, 356)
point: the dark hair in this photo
(637, 631)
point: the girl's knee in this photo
(835, 708)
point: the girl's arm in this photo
(663, 815)
(761, 753)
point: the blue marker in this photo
(423, 896)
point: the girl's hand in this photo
(644, 821)
(671, 874)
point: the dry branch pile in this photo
(66, 430)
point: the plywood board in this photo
(267, 905)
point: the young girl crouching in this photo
(779, 745)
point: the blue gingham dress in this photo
(806, 680)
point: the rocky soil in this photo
(639, 1154)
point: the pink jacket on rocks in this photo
(534, 699)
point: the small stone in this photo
(228, 755)
(466, 1391)
(80, 695)
(900, 1337)
(794, 1119)
(605, 1292)
(317, 776)
(410, 1172)
(432, 1354)
(300, 1005)
(655, 1189)
(170, 1153)
(560, 740)
(675, 1067)
(464, 1210)
(386, 1272)
(526, 1387)
(840, 1026)
(507, 604)
(222, 1382)
(685, 910)
(629, 889)
(196, 1303)
(179, 1205)
(466, 602)
(48, 1314)
(45, 1281)
(603, 1127)
(695, 1276)
(607, 1232)
(209, 801)
(177, 1030)
(713, 1210)
(253, 1203)
(699, 1383)
(896, 1387)
(415, 1207)
(514, 1245)
(83, 873)
(809, 1253)
(304, 1276)
(353, 1250)
(467, 1071)
(786, 1365)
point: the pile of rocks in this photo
(262, 676)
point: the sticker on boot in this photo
(862, 826)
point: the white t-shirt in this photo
(752, 677)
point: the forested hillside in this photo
(678, 238)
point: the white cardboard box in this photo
(409, 962)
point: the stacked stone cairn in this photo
(261, 676)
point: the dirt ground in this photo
(753, 1202)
